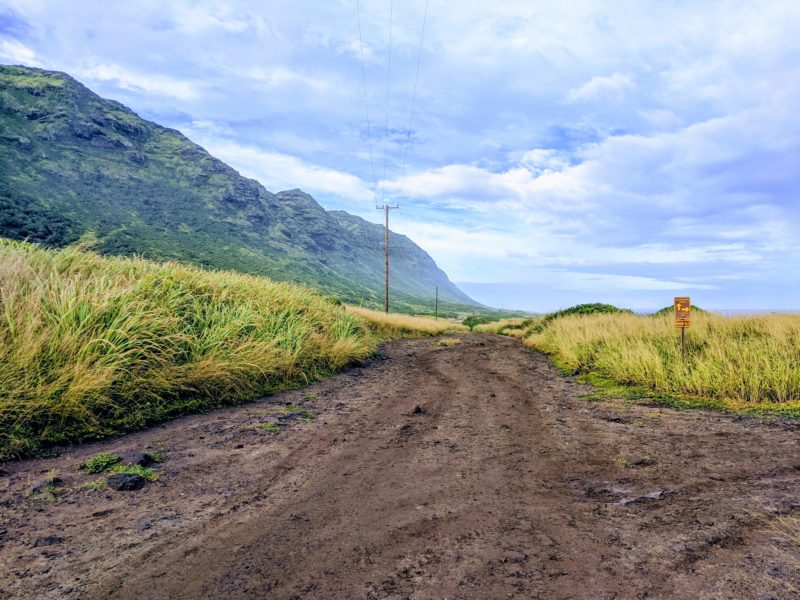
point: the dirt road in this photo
(473, 471)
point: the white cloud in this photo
(14, 52)
(599, 87)
(541, 160)
(279, 76)
(220, 16)
(150, 83)
(601, 282)
(278, 171)
(572, 135)
(660, 118)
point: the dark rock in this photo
(640, 461)
(47, 540)
(126, 482)
(418, 410)
(681, 547)
(295, 517)
(142, 459)
(289, 416)
(239, 446)
(4, 473)
(52, 482)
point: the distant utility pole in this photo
(386, 208)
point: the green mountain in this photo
(75, 167)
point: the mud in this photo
(475, 471)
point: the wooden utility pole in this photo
(386, 208)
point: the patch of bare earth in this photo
(474, 471)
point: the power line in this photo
(388, 80)
(414, 95)
(385, 207)
(366, 102)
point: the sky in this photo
(558, 152)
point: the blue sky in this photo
(561, 152)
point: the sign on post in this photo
(683, 309)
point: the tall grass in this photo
(394, 325)
(514, 327)
(742, 361)
(91, 346)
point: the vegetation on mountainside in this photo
(74, 166)
(91, 346)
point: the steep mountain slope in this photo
(77, 167)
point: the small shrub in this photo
(100, 462)
(472, 321)
(670, 310)
(157, 457)
(273, 427)
(147, 473)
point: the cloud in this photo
(278, 171)
(150, 83)
(14, 52)
(275, 77)
(661, 118)
(599, 87)
(196, 20)
(653, 140)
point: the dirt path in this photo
(504, 483)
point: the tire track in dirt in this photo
(468, 472)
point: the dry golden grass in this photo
(744, 362)
(788, 530)
(448, 342)
(397, 325)
(500, 326)
(91, 346)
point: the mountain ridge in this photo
(75, 166)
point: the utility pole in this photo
(436, 309)
(386, 208)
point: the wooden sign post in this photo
(683, 310)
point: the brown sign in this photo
(683, 309)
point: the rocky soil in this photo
(472, 471)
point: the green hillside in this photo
(75, 167)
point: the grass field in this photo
(514, 327)
(91, 346)
(395, 325)
(745, 363)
